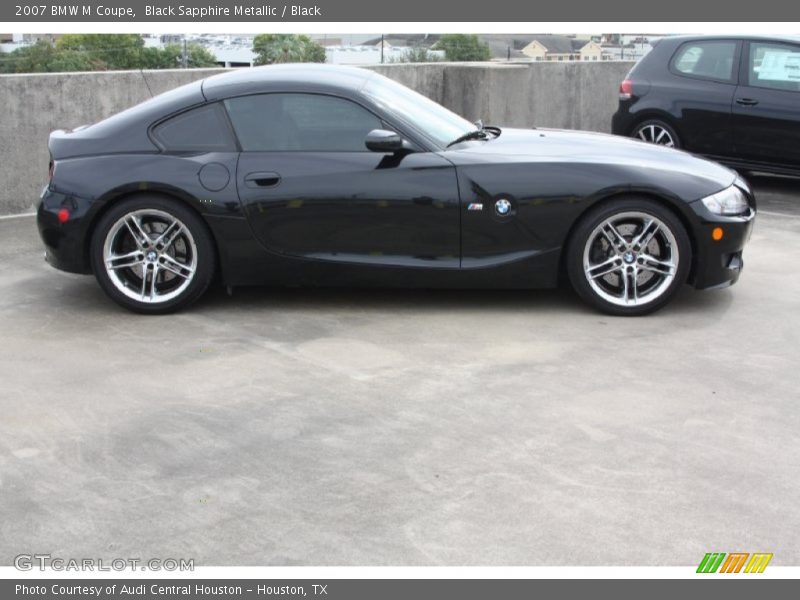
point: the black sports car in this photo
(339, 176)
(733, 99)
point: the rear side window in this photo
(300, 123)
(202, 129)
(774, 66)
(706, 59)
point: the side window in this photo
(708, 60)
(774, 66)
(200, 129)
(300, 123)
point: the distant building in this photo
(328, 41)
(372, 55)
(642, 39)
(381, 43)
(12, 41)
(35, 37)
(234, 56)
(562, 48)
(341, 39)
(412, 40)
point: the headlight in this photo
(730, 201)
(742, 184)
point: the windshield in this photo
(429, 118)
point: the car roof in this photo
(285, 77)
(754, 37)
(128, 130)
(125, 130)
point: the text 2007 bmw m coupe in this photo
(313, 174)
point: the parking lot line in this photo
(777, 214)
(5, 217)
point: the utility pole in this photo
(184, 56)
(381, 48)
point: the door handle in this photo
(262, 179)
(746, 101)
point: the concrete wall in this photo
(562, 95)
(31, 106)
(567, 95)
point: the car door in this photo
(766, 109)
(699, 93)
(311, 189)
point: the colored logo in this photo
(503, 207)
(714, 562)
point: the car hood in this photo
(588, 147)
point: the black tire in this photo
(588, 239)
(651, 128)
(182, 285)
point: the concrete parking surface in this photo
(358, 427)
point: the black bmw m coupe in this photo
(323, 175)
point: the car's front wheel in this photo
(152, 254)
(629, 257)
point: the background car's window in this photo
(774, 66)
(198, 130)
(709, 60)
(300, 123)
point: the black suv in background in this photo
(733, 99)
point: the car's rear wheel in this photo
(658, 132)
(629, 257)
(152, 254)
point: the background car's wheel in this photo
(152, 254)
(628, 257)
(657, 132)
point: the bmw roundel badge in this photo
(502, 207)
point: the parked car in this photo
(314, 174)
(733, 99)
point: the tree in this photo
(463, 47)
(42, 57)
(88, 52)
(171, 57)
(116, 50)
(417, 55)
(271, 48)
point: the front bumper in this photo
(64, 243)
(719, 263)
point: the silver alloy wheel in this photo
(655, 134)
(150, 256)
(630, 259)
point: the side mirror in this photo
(381, 140)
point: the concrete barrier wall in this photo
(564, 95)
(560, 95)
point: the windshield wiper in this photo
(477, 134)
